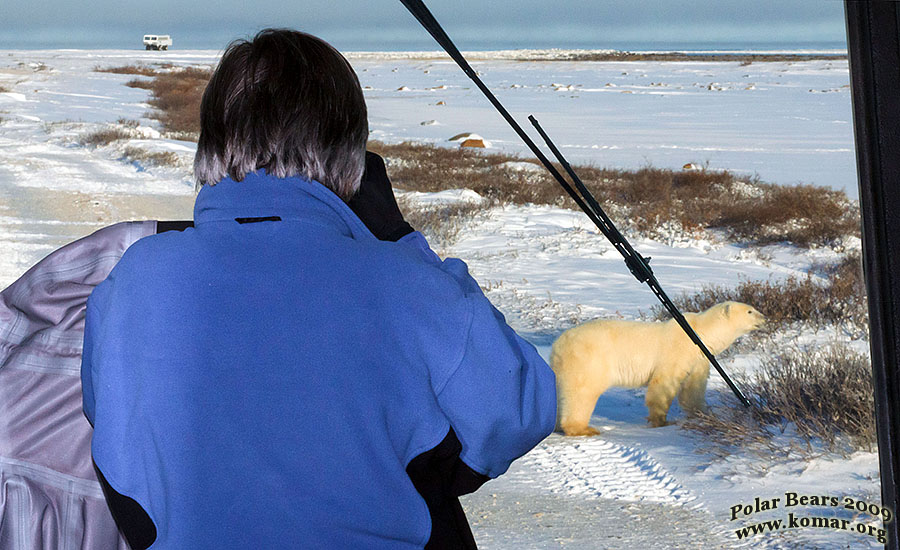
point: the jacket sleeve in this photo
(501, 396)
(91, 326)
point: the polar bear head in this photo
(724, 323)
(739, 318)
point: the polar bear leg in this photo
(692, 396)
(660, 393)
(575, 408)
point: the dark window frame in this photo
(873, 42)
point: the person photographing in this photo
(299, 369)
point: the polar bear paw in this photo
(580, 430)
(656, 422)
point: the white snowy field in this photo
(788, 122)
(544, 267)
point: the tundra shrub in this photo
(177, 96)
(840, 299)
(441, 224)
(142, 70)
(153, 158)
(140, 83)
(804, 215)
(649, 201)
(642, 201)
(826, 394)
(822, 398)
(428, 168)
(104, 136)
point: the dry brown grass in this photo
(152, 158)
(428, 168)
(104, 136)
(824, 397)
(441, 224)
(143, 70)
(4, 89)
(140, 83)
(641, 201)
(839, 300)
(751, 212)
(824, 393)
(804, 214)
(743, 58)
(177, 97)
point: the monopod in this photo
(637, 264)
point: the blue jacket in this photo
(264, 385)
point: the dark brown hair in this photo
(286, 102)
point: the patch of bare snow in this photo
(12, 96)
(744, 189)
(450, 196)
(522, 166)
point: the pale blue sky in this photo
(473, 24)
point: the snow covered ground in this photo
(787, 122)
(545, 268)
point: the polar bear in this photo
(591, 358)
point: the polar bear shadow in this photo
(624, 406)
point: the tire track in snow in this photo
(599, 469)
(590, 493)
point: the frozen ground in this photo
(787, 122)
(546, 268)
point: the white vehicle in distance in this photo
(157, 41)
